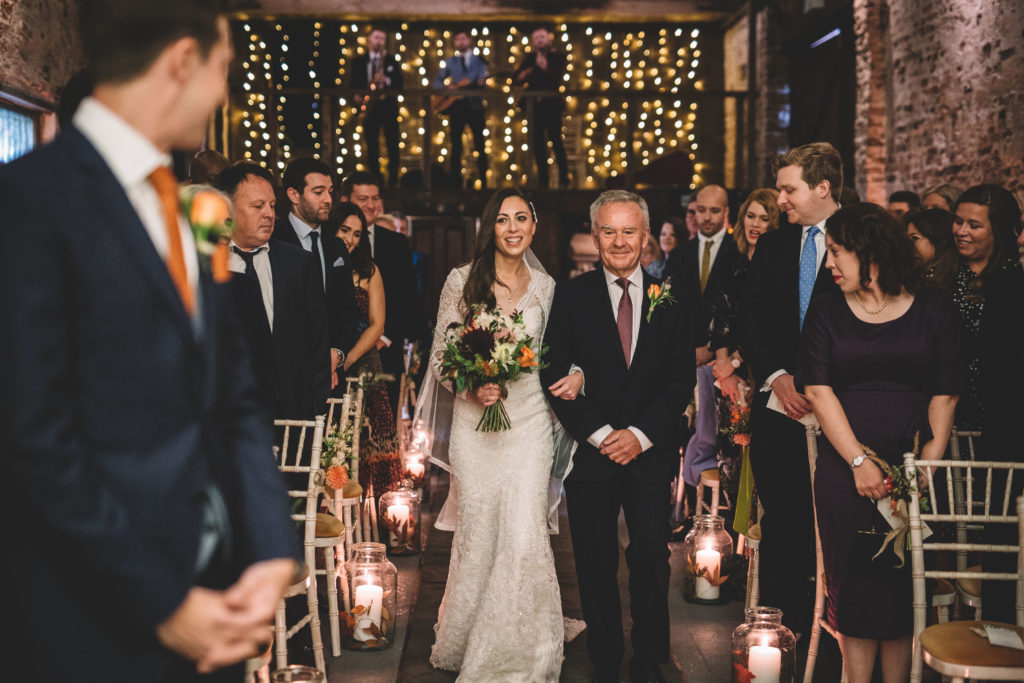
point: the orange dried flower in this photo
(209, 208)
(654, 291)
(527, 358)
(741, 439)
(337, 477)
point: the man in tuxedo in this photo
(465, 70)
(391, 252)
(625, 421)
(279, 298)
(787, 271)
(695, 268)
(308, 186)
(543, 69)
(379, 75)
(146, 522)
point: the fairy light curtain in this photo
(287, 94)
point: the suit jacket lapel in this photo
(644, 332)
(109, 199)
(791, 270)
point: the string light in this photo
(269, 129)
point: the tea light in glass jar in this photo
(371, 597)
(765, 662)
(710, 560)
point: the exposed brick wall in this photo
(39, 48)
(771, 109)
(941, 91)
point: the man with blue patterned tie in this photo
(786, 273)
(465, 70)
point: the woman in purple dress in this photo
(882, 364)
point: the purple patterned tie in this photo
(624, 320)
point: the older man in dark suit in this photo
(279, 297)
(637, 381)
(787, 271)
(153, 535)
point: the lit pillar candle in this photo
(765, 662)
(371, 597)
(399, 515)
(709, 560)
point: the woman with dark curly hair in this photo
(985, 226)
(931, 232)
(882, 366)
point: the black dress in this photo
(884, 375)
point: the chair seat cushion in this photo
(971, 586)
(328, 526)
(352, 489)
(709, 475)
(954, 643)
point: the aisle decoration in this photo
(400, 517)
(763, 650)
(738, 433)
(491, 348)
(374, 588)
(704, 548)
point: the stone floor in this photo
(701, 634)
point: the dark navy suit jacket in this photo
(116, 413)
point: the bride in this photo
(501, 616)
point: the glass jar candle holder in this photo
(296, 673)
(400, 520)
(414, 465)
(705, 547)
(763, 649)
(421, 439)
(373, 582)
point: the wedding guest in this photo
(881, 362)
(278, 298)
(379, 75)
(134, 440)
(204, 166)
(692, 224)
(785, 273)
(694, 269)
(902, 202)
(307, 185)
(1001, 375)
(391, 253)
(542, 69)
(758, 215)
(984, 227)
(462, 73)
(943, 196)
(380, 468)
(668, 239)
(651, 253)
(848, 196)
(931, 231)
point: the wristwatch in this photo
(736, 362)
(858, 461)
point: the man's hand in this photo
(204, 629)
(704, 355)
(722, 368)
(335, 359)
(794, 402)
(730, 387)
(621, 446)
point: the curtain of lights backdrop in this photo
(635, 84)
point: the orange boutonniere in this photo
(527, 358)
(209, 216)
(659, 294)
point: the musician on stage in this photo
(543, 68)
(378, 75)
(464, 71)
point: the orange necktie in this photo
(166, 188)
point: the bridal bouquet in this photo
(492, 348)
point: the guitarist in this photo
(543, 68)
(463, 71)
(378, 77)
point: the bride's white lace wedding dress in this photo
(501, 617)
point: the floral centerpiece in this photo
(491, 348)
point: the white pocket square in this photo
(339, 262)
